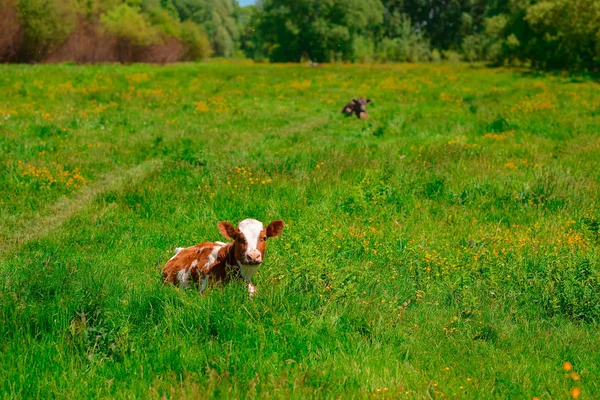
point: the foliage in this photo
(451, 56)
(94, 8)
(363, 49)
(222, 42)
(407, 44)
(127, 23)
(46, 24)
(445, 22)
(217, 18)
(321, 31)
(164, 22)
(196, 41)
(540, 33)
(567, 33)
(251, 41)
(500, 31)
(447, 247)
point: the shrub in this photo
(450, 55)
(46, 24)
(196, 42)
(567, 33)
(409, 45)
(363, 49)
(164, 22)
(93, 8)
(474, 48)
(127, 23)
(223, 42)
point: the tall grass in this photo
(447, 246)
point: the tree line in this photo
(541, 33)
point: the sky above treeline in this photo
(246, 2)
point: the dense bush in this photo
(196, 42)
(218, 18)
(165, 23)
(127, 23)
(363, 49)
(201, 27)
(46, 24)
(321, 31)
(567, 33)
(408, 45)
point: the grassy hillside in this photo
(446, 247)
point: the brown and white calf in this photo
(220, 261)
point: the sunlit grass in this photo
(445, 247)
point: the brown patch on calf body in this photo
(200, 253)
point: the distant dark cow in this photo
(358, 107)
(220, 261)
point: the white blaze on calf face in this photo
(251, 229)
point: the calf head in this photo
(360, 106)
(250, 239)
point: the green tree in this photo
(217, 17)
(567, 33)
(444, 22)
(196, 42)
(128, 23)
(406, 44)
(46, 24)
(320, 30)
(251, 43)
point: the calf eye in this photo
(264, 238)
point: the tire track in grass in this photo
(52, 217)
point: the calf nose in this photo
(254, 256)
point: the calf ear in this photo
(226, 230)
(275, 228)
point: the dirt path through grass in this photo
(53, 216)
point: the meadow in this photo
(446, 247)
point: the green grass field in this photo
(449, 246)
